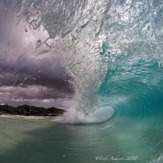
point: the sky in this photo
(30, 71)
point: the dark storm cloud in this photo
(48, 69)
(29, 70)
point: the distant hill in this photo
(27, 110)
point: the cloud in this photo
(29, 92)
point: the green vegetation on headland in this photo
(27, 110)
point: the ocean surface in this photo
(132, 135)
(113, 51)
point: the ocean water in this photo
(113, 51)
(130, 136)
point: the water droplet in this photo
(18, 15)
(5, 10)
(21, 84)
(26, 30)
(38, 43)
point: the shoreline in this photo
(29, 112)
